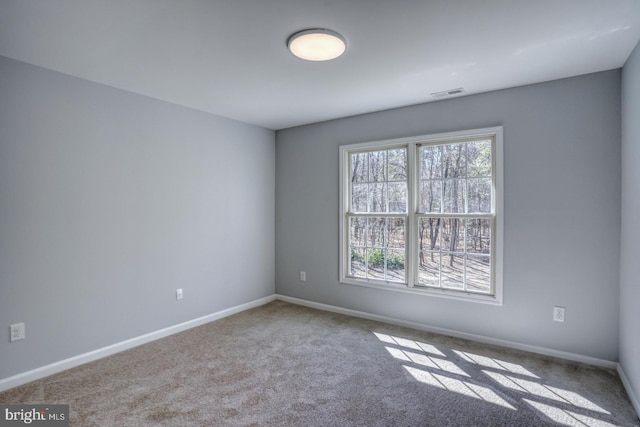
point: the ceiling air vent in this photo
(449, 92)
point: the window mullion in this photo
(385, 248)
(464, 252)
(411, 242)
(366, 249)
(386, 181)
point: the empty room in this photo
(319, 213)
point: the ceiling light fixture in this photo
(317, 44)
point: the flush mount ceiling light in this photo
(317, 44)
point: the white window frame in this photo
(412, 215)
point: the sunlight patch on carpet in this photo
(457, 386)
(567, 418)
(426, 361)
(494, 363)
(546, 392)
(410, 344)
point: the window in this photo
(423, 214)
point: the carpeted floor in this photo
(286, 365)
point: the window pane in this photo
(479, 236)
(454, 195)
(430, 196)
(376, 228)
(453, 234)
(479, 273)
(397, 197)
(377, 161)
(454, 160)
(359, 170)
(479, 195)
(375, 261)
(378, 197)
(377, 248)
(430, 162)
(452, 273)
(357, 264)
(429, 233)
(359, 198)
(396, 233)
(479, 158)
(397, 165)
(455, 253)
(395, 266)
(379, 181)
(429, 269)
(357, 232)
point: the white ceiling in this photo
(229, 57)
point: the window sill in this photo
(430, 292)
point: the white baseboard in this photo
(627, 386)
(54, 368)
(453, 333)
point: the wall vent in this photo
(449, 92)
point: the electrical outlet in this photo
(303, 276)
(178, 293)
(16, 332)
(558, 313)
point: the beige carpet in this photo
(286, 365)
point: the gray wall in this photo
(630, 241)
(109, 201)
(562, 225)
